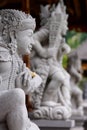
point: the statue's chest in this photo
(5, 80)
(9, 77)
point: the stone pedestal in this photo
(85, 113)
(85, 107)
(85, 90)
(80, 121)
(54, 124)
(85, 123)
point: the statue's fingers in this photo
(26, 76)
(20, 75)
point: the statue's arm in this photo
(43, 52)
(41, 35)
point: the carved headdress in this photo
(17, 20)
(57, 22)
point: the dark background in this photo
(77, 10)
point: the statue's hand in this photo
(23, 80)
(35, 82)
(27, 81)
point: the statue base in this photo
(79, 120)
(54, 124)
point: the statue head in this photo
(17, 28)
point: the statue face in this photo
(24, 41)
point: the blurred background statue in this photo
(75, 71)
(52, 99)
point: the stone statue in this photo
(74, 69)
(16, 79)
(52, 99)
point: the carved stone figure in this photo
(16, 32)
(52, 99)
(74, 69)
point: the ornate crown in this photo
(17, 20)
(57, 21)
